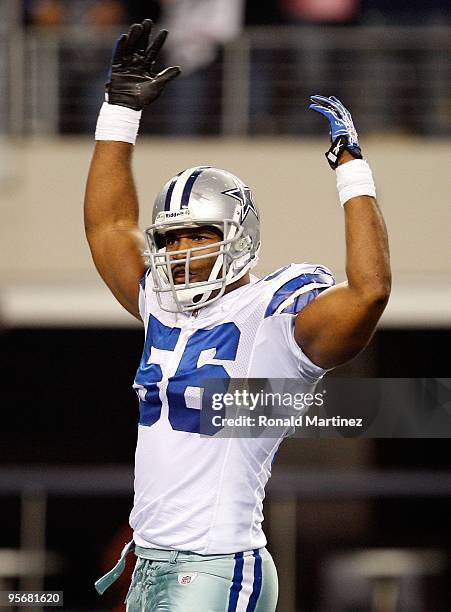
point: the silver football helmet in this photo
(202, 196)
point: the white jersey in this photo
(205, 494)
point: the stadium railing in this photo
(395, 78)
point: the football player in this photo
(197, 511)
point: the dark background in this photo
(67, 401)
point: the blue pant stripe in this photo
(257, 582)
(237, 582)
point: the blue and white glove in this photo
(343, 134)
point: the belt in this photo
(106, 581)
(155, 554)
(172, 556)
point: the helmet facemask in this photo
(189, 295)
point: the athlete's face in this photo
(188, 238)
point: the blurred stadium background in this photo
(354, 524)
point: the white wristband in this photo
(118, 123)
(354, 178)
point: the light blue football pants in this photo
(173, 581)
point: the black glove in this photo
(132, 82)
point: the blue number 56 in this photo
(224, 339)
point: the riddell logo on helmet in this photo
(170, 215)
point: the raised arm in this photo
(111, 204)
(339, 323)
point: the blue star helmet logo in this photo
(244, 196)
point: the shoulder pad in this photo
(295, 286)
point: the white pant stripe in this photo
(247, 583)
